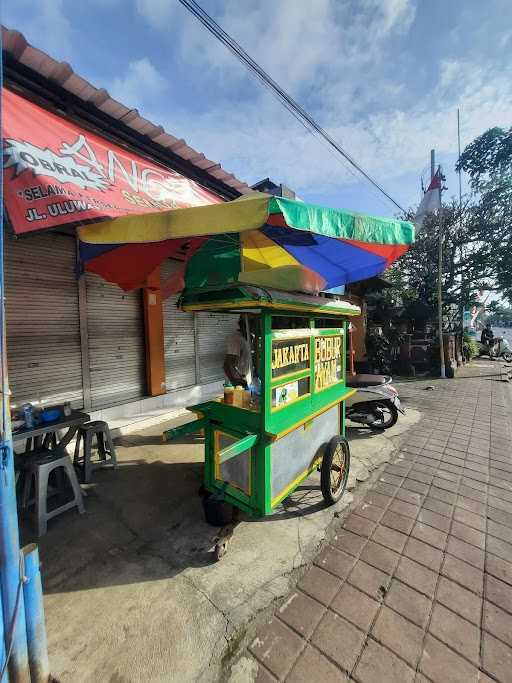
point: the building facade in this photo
(73, 336)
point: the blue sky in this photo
(384, 77)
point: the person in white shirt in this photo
(238, 362)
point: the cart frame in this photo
(255, 459)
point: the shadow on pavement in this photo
(144, 521)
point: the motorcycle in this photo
(499, 349)
(376, 402)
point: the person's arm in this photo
(231, 370)
(231, 360)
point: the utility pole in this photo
(458, 159)
(440, 268)
(461, 253)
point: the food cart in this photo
(259, 451)
(250, 256)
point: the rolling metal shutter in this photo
(42, 319)
(213, 331)
(179, 340)
(115, 326)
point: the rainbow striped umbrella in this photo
(258, 239)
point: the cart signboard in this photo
(289, 356)
(293, 375)
(328, 361)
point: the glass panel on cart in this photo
(237, 470)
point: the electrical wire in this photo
(247, 60)
(289, 103)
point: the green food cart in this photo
(257, 453)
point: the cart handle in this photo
(183, 430)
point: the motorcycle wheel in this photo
(386, 415)
(334, 470)
(507, 356)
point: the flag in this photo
(431, 200)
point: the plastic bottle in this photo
(37, 413)
(239, 396)
(229, 394)
(255, 390)
(28, 415)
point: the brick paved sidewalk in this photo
(417, 585)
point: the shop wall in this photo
(42, 319)
(179, 339)
(83, 340)
(69, 339)
(115, 337)
(195, 344)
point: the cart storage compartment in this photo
(307, 443)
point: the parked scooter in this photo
(500, 349)
(375, 404)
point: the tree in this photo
(468, 263)
(488, 162)
(499, 314)
(477, 235)
(488, 157)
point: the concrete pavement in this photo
(416, 584)
(132, 592)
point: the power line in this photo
(290, 104)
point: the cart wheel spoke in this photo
(334, 470)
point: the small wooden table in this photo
(34, 437)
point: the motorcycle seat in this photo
(362, 381)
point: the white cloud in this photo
(141, 82)
(45, 25)
(352, 64)
(158, 13)
(388, 144)
(505, 40)
(396, 14)
(293, 40)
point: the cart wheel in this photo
(335, 468)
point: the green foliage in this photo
(488, 161)
(468, 264)
(378, 350)
(477, 236)
(499, 314)
(383, 350)
(488, 157)
(469, 347)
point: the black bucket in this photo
(217, 512)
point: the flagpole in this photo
(440, 283)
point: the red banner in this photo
(56, 173)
